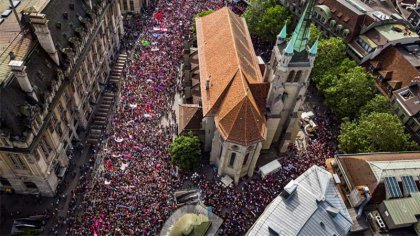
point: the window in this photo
(17, 162)
(232, 159)
(298, 75)
(246, 159)
(30, 185)
(132, 5)
(235, 147)
(291, 76)
(36, 155)
(46, 148)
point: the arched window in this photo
(232, 159)
(246, 159)
(298, 75)
(291, 76)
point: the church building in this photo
(234, 102)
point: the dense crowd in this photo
(133, 195)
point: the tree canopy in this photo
(377, 132)
(265, 18)
(201, 14)
(331, 52)
(315, 33)
(185, 152)
(350, 90)
(378, 104)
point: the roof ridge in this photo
(238, 108)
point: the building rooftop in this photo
(190, 117)
(409, 97)
(11, 38)
(41, 70)
(371, 169)
(404, 210)
(233, 92)
(309, 205)
(397, 66)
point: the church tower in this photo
(288, 74)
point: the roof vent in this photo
(71, 6)
(12, 55)
(291, 187)
(207, 84)
(14, 4)
(58, 25)
(322, 224)
(6, 13)
(272, 231)
(65, 15)
(332, 211)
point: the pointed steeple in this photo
(314, 49)
(302, 28)
(283, 34)
(290, 45)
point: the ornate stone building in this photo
(51, 74)
(288, 74)
(227, 102)
(133, 6)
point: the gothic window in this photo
(298, 75)
(246, 159)
(232, 159)
(291, 76)
(284, 96)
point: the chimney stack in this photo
(40, 24)
(20, 72)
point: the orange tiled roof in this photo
(190, 117)
(236, 89)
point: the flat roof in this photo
(403, 210)
(389, 32)
(11, 39)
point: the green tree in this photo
(330, 77)
(379, 104)
(315, 33)
(331, 52)
(185, 152)
(377, 132)
(201, 14)
(265, 18)
(352, 90)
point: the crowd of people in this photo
(133, 194)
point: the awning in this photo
(270, 168)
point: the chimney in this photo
(20, 72)
(207, 84)
(12, 55)
(40, 24)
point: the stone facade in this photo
(32, 160)
(133, 6)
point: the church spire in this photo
(314, 49)
(302, 28)
(283, 33)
